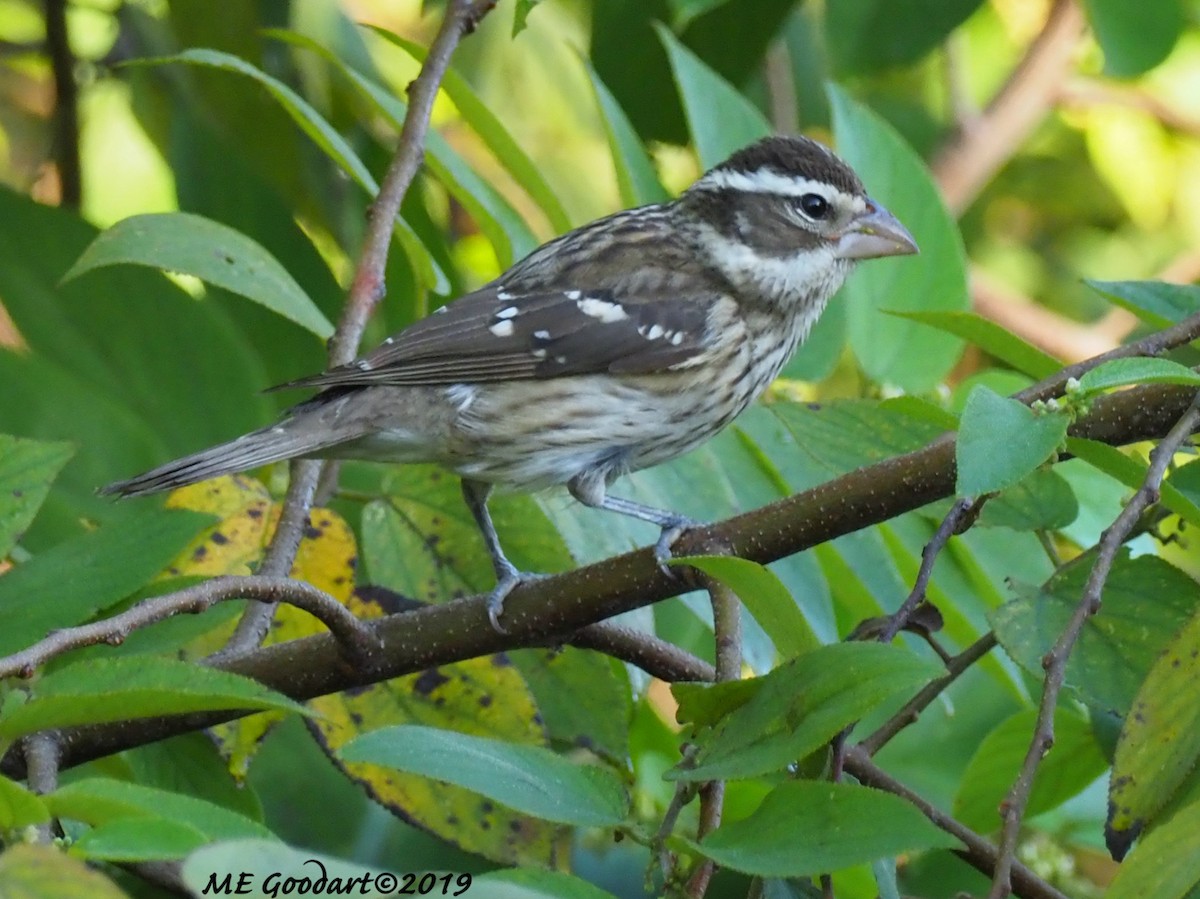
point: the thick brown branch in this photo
(560, 605)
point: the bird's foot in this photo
(672, 530)
(508, 579)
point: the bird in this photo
(615, 347)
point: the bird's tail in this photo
(286, 440)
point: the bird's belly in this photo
(582, 423)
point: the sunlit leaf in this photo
(212, 252)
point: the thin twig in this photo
(1055, 661)
(727, 633)
(655, 656)
(279, 557)
(927, 694)
(43, 752)
(355, 637)
(978, 852)
(966, 164)
(366, 289)
(955, 522)
(66, 105)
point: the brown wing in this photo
(495, 335)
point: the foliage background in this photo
(1095, 173)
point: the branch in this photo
(727, 632)
(657, 657)
(979, 853)
(966, 164)
(927, 694)
(1055, 662)
(366, 290)
(957, 520)
(354, 637)
(43, 752)
(66, 105)
(559, 606)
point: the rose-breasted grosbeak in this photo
(617, 346)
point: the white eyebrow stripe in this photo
(765, 181)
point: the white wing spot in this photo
(503, 328)
(389, 341)
(677, 338)
(362, 364)
(561, 360)
(602, 309)
(503, 295)
(573, 294)
(439, 310)
(540, 353)
(655, 332)
(541, 335)
(508, 312)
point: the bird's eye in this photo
(815, 206)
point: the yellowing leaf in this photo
(485, 696)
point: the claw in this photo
(670, 533)
(506, 582)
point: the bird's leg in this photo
(591, 491)
(508, 576)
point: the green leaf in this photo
(485, 123)
(98, 691)
(866, 36)
(139, 840)
(719, 118)
(311, 122)
(251, 861)
(1135, 36)
(1043, 501)
(1159, 744)
(765, 597)
(44, 872)
(27, 469)
(529, 779)
(101, 800)
(1001, 441)
(1132, 473)
(1074, 762)
(805, 828)
(1156, 303)
(1146, 602)
(212, 252)
(80, 577)
(521, 14)
(326, 137)
(507, 232)
(894, 350)
(683, 11)
(534, 883)
(19, 808)
(1166, 864)
(801, 705)
(637, 180)
(991, 338)
(1136, 370)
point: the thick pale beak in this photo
(875, 233)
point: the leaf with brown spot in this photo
(1159, 744)
(459, 697)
